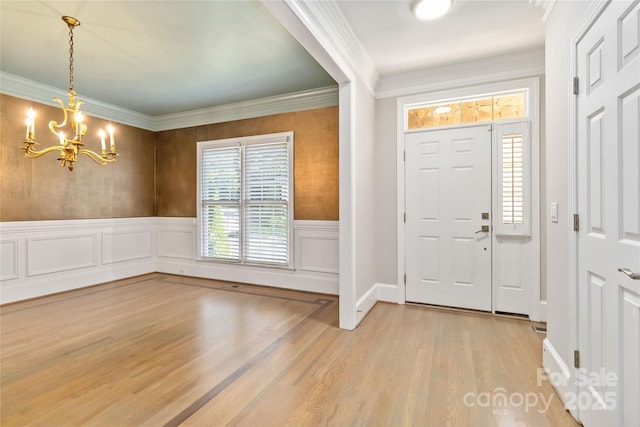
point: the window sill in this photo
(256, 266)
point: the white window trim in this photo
(247, 141)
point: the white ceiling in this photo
(161, 57)
(397, 42)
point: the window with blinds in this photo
(245, 211)
(513, 177)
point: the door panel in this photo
(608, 191)
(629, 206)
(448, 186)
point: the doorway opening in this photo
(468, 192)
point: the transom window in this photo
(245, 212)
(487, 108)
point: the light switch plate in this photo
(554, 212)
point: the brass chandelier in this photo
(69, 149)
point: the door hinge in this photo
(404, 156)
(405, 217)
(576, 85)
(576, 222)
(576, 359)
(405, 279)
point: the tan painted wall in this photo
(39, 189)
(315, 161)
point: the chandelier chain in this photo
(70, 58)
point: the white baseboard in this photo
(378, 292)
(387, 292)
(289, 279)
(558, 373)
(366, 303)
(70, 280)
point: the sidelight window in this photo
(513, 179)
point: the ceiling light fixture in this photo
(427, 10)
(69, 149)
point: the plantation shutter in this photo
(266, 192)
(220, 198)
(512, 178)
(513, 175)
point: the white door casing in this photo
(608, 204)
(448, 187)
(524, 263)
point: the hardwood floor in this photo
(162, 350)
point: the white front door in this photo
(608, 196)
(448, 188)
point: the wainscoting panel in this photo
(9, 259)
(316, 257)
(176, 240)
(60, 253)
(44, 257)
(316, 246)
(126, 246)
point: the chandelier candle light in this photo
(70, 149)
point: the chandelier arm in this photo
(53, 123)
(33, 154)
(96, 157)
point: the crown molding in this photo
(470, 73)
(20, 87)
(327, 23)
(546, 5)
(297, 101)
(37, 92)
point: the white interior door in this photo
(608, 192)
(448, 188)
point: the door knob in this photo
(634, 276)
(483, 229)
